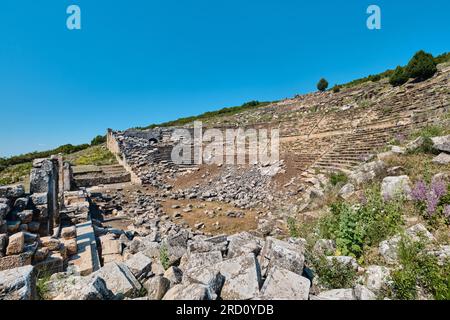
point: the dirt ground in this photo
(212, 214)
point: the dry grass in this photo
(417, 166)
(97, 155)
(15, 174)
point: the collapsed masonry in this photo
(49, 227)
(146, 155)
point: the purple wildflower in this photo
(430, 196)
(439, 188)
(420, 192)
(432, 203)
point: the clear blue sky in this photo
(137, 62)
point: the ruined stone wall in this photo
(28, 222)
(113, 146)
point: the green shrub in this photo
(42, 285)
(355, 227)
(164, 257)
(293, 228)
(445, 57)
(399, 77)
(98, 140)
(338, 178)
(211, 114)
(419, 268)
(333, 274)
(322, 85)
(336, 89)
(427, 146)
(421, 66)
(429, 131)
(29, 157)
(374, 78)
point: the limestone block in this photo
(242, 277)
(283, 254)
(140, 265)
(188, 292)
(69, 233)
(18, 284)
(157, 287)
(242, 244)
(16, 244)
(282, 284)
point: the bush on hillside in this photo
(336, 88)
(374, 78)
(422, 66)
(420, 269)
(29, 157)
(98, 140)
(322, 85)
(355, 227)
(399, 77)
(338, 178)
(333, 274)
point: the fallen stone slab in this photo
(242, 244)
(119, 279)
(70, 287)
(367, 172)
(337, 294)
(16, 261)
(39, 199)
(188, 292)
(206, 246)
(174, 275)
(347, 191)
(54, 263)
(202, 259)
(18, 284)
(392, 187)
(140, 265)
(208, 276)
(51, 243)
(69, 233)
(442, 143)
(156, 287)
(286, 255)
(16, 244)
(282, 284)
(71, 246)
(442, 159)
(343, 260)
(242, 277)
(87, 259)
(376, 278)
(363, 293)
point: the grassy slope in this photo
(97, 155)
